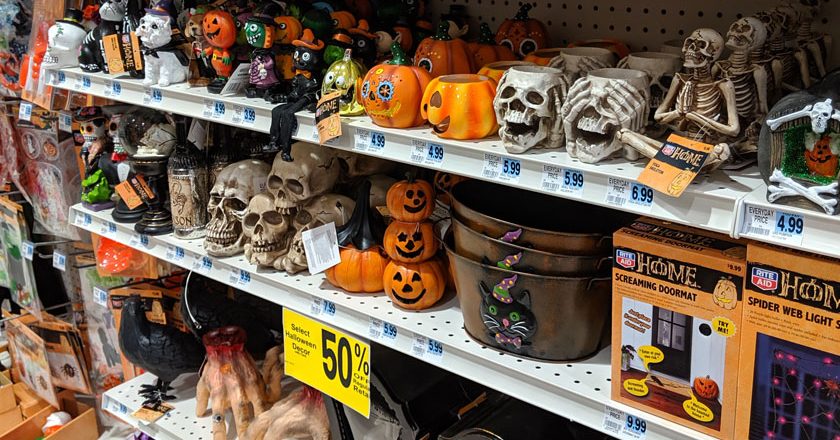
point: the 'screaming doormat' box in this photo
(789, 387)
(676, 323)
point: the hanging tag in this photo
(25, 111)
(327, 120)
(100, 296)
(238, 81)
(134, 191)
(65, 122)
(28, 249)
(321, 247)
(122, 52)
(59, 261)
(675, 165)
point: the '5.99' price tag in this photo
(328, 359)
(572, 183)
(382, 331)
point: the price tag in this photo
(427, 153)
(239, 277)
(427, 349)
(175, 253)
(111, 405)
(758, 221)
(82, 83)
(322, 306)
(492, 166)
(28, 249)
(316, 137)
(368, 140)
(100, 296)
(382, 331)
(203, 265)
(572, 182)
(551, 178)
(25, 111)
(112, 88)
(789, 227)
(214, 109)
(321, 247)
(107, 228)
(618, 191)
(641, 196)
(58, 77)
(511, 170)
(624, 425)
(139, 240)
(59, 261)
(65, 122)
(325, 358)
(152, 96)
(244, 115)
(83, 219)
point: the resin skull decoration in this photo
(229, 198)
(702, 48)
(598, 106)
(324, 209)
(528, 102)
(314, 172)
(267, 231)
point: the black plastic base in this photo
(122, 214)
(217, 85)
(155, 223)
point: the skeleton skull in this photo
(820, 114)
(229, 198)
(598, 106)
(314, 172)
(771, 25)
(746, 34)
(702, 48)
(92, 130)
(267, 231)
(319, 211)
(528, 102)
(660, 68)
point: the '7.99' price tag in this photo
(328, 359)
(624, 425)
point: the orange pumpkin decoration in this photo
(391, 92)
(706, 388)
(820, 160)
(497, 69)
(410, 242)
(543, 57)
(219, 28)
(486, 50)
(444, 182)
(287, 29)
(521, 33)
(460, 106)
(405, 36)
(444, 55)
(359, 271)
(343, 20)
(411, 200)
(415, 286)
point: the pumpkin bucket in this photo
(460, 106)
(497, 69)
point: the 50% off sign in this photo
(325, 358)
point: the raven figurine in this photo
(159, 349)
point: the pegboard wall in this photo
(642, 25)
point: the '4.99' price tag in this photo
(327, 359)
(239, 277)
(789, 227)
(427, 153)
(214, 109)
(152, 96)
(369, 140)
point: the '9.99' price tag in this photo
(624, 425)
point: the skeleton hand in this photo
(272, 372)
(668, 117)
(229, 380)
(300, 414)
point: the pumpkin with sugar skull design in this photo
(391, 91)
(486, 50)
(411, 200)
(460, 106)
(409, 242)
(415, 286)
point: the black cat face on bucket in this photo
(509, 321)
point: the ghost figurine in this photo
(63, 41)
(164, 61)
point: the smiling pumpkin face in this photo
(411, 200)
(219, 28)
(414, 286)
(460, 106)
(410, 242)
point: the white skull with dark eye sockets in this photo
(267, 231)
(324, 209)
(229, 199)
(527, 104)
(746, 34)
(702, 48)
(92, 130)
(313, 172)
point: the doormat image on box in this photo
(672, 362)
(796, 392)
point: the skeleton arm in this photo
(662, 114)
(760, 77)
(804, 71)
(813, 47)
(732, 126)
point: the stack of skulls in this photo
(415, 278)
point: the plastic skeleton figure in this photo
(811, 44)
(696, 106)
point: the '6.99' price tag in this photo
(328, 359)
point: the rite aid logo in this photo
(668, 149)
(764, 279)
(625, 259)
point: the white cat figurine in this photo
(165, 63)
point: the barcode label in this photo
(758, 231)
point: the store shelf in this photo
(820, 233)
(178, 424)
(710, 203)
(579, 391)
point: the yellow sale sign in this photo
(325, 358)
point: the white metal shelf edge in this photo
(578, 390)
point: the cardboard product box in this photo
(10, 418)
(676, 323)
(81, 427)
(789, 384)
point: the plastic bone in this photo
(787, 187)
(819, 112)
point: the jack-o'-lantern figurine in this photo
(391, 91)
(410, 242)
(220, 31)
(343, 20)
(444, 55)
(821, 159)
(262, 74)
(523, 34)
(345, 76)
(444, 182)
(286, 30)
(415, 286)
(460, 106)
